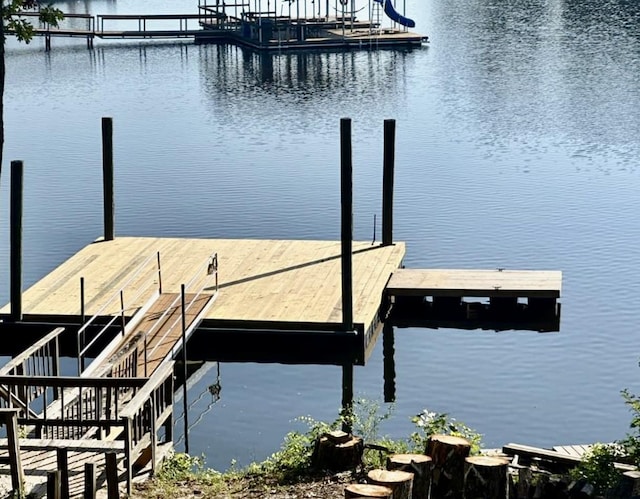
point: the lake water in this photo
(518, 146)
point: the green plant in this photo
(431, 423)
(180, 467)
(597, 467)
(631, 443)
(294, 457)
(365, 419)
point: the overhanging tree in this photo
(21, 27)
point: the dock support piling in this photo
(389, 154)
(346, 184)
(107, 178)
(17, 175)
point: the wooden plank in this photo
(572, 450)
(475, 283)
(551, 455)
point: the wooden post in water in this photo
(17, 175)
(346, 198)
(347, 397)
(389, 155)
(107, 178)
(346, 186)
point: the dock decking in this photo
(458, 283)
(260, 280)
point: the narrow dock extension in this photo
(502, 287)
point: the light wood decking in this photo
(260, 280)
(475, 283)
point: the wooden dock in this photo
(459, 283)
(288, 289)
(474, 299)
(263, 31)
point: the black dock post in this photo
(107, 178)
(346, 184)
(347, 398)
(17, 175)
(387, 181)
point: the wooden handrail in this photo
(20, 358)
(73, 382)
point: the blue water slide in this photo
(394, 15)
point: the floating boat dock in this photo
(127, 307)
(245, 23)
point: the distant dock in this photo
(243, 23)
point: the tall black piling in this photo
(17, 175)
(389, 155)
(107, 178)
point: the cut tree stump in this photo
(419, 465)
(338, 451)
(448, 454)
(400, 482)
(367, 490)
(485, 477)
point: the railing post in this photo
(63, 466)
(111, 466)
(89, 480)
(154, 436)
(53, 485)
(17, 475)
(128, 434)
(185, 403)
(145, 354)
(159, 275)
(81, 336)
(122, 310)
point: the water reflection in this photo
(238, 75)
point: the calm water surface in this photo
(517, 146)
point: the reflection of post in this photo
(347, 396)
(389, 363)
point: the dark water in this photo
(517, 146)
